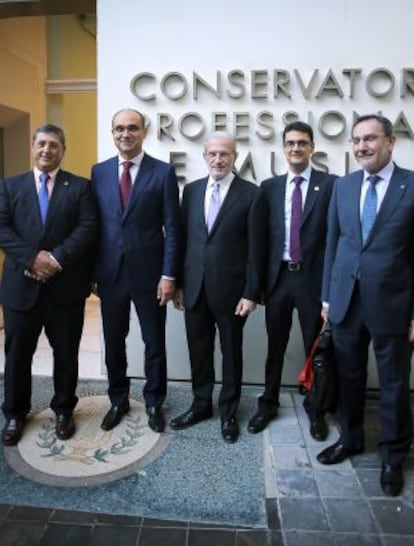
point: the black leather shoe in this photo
(319, 429)
(156, 420)
(391, 480)
(114, 416)
(259, 421)
(65, 426)
(190, 418)
(336, 453)
(230, 430)
(12, 432)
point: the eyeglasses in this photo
(218, 155)
(367, 138)
(119, 129)
(301, 144)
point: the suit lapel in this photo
(140, 182)
(60, 189)
(28, 187)
(311, 195)
(228, 203)
(395, 192)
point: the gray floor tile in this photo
(108, 535)
(337, 483)
(66, 535)
(259, 538)
(213, 537)
(296, 483)
(272, 513)
(286, 434)
(394, 540)
(291, 457)
(308, 538)
(28, 513)
(393, 516)
(350, 515)
(161, 537)
(356, 539)
(21, 533)
(303, 514)
(369, 480)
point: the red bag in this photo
(305, 377)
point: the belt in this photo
(295, 267)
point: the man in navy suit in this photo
(294, 269)
(220, 281)
(136, 261)
(48, 223)
(368, 294)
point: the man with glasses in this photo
(294, 209)
(368, 294)
(136, 261)
(220, 281)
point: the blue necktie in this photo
(214, 206)
(295, 249)
(369, 209)
(43, 196)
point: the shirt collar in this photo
(385, 173)
(52, 174)
(305, 174)
(225, 181)
(135, 160)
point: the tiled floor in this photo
(307, 504)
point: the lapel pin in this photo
(402, 186)
(316, 188)
(66, 183)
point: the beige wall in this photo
(72, 56)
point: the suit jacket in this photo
(384, 265)
(146, 234)
(68, 233)
(223, 261)
(270, 211)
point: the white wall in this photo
(358, 49)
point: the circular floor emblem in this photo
(92, 455)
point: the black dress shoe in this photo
(156, 420)
(391, 480)
(190, 418)
(230, 430)
(336, 453)
(65, 426)
(259, 421)
(319, 429)
(114, 416)
(12, 431)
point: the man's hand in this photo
(325, 311)
(244, 307)
(165, 291)
(44, 266)
(179, 300)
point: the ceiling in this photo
(29, 8)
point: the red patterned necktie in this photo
(295, 249)
(125, 183)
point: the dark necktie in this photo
(43, 196)
(369, 209)
(125, 184)
(214, 206)
(295, 221)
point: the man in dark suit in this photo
(220, 281)
(368, 294)
(48, 223)
(294, 208)
(136, 261)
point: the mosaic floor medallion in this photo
(92, 456)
